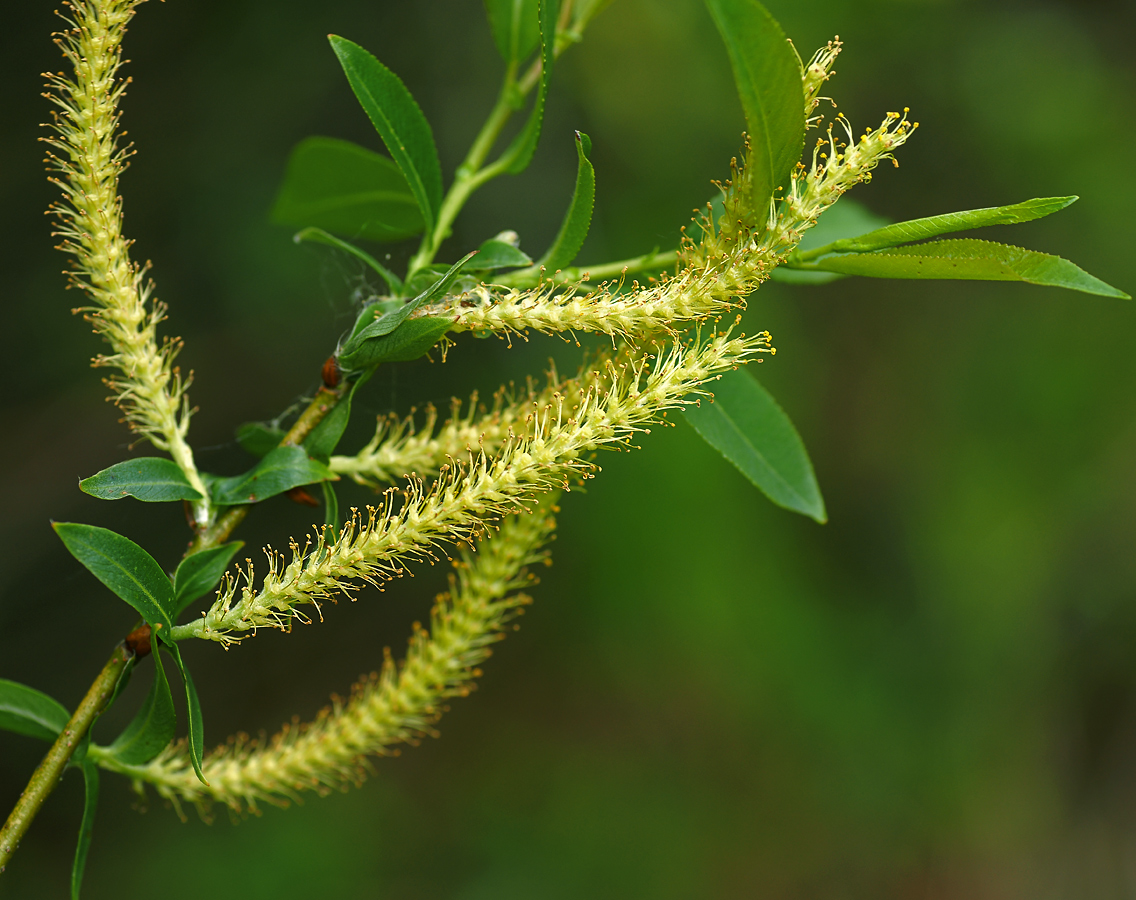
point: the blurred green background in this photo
(932, 696)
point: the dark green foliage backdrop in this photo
(932, 695)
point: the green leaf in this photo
(768, 77)
(392, 319)
(196, 722)
(281, 470)
(574, 229)
(124, 567)
(971, 260)
(151, 730)
(121, 683)
(347, 189)
(933, 226)
(259, 438)
(845, 218)
(399, 121)
(519, 154)
(325, 437)
(152, 479)
(515, 27)
(319, 236)
(331, 509)
(198, 574)
(25, 710)
(411, 341)
(745, 425)
(378, 341)
(497, 254)
(86, 827)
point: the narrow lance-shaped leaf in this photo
(155, 724)
(514, 26)
(399, 122)
(325, 437)
(347, 189)
(412, 340)
(933, 226)
(574, 229)
(152, 479)
(198, 574)
(519, 154)
(391, 337)
(124, 567)
(845, 218)
(319, 236)
(281, 470)
(196, 722)
(86, 827)
(745, 425)
(768, 77)
(390, 320)
(25, 710)
(970, 260)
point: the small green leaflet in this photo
(498, 254)
(325, 437)
(150, 478)
(574, 229)
(86, 828)
(347, 189)
(259, 438)
(390, 320)
(515, 27)
(151, 730)
(120, 685)
(412, 340)
(519, 153)
(399, 122)
(969, 259)
(196, 722)
(745, 425)
(25, 710)
(281, 470)
(390, 337)
(768, 77)
(933, 226)
(845, 218)
(319, 236)
(198, 574)
(124, 567)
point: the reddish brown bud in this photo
(331, 372)
(138, 641)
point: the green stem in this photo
(532, 276)
(324, 402)
(50, 770)
(469, 175)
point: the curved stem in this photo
(532, 276)
(469, 175)
(48, 773)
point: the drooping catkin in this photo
(88, 161)
(395, 706)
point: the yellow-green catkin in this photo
(398, 705)
(409, 525)
(88, 161)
